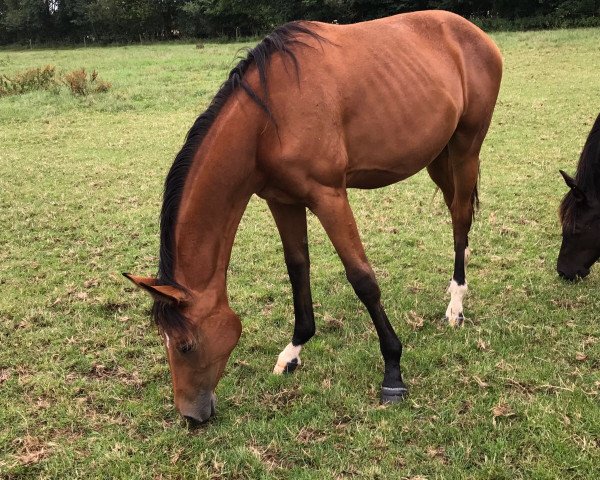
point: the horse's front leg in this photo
(291, 223)
(334, 213)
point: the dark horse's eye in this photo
(185, 347)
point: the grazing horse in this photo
(580, 212)
(313, 110)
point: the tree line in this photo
(79, 21)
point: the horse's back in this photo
(407, 55)
(379, 100)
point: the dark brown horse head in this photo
(198, 344)
(580, 212)
(580, 247)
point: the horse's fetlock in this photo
(393, 349)
(303, 333)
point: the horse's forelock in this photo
(169, 319)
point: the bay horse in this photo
(580, 212)
(312, 110)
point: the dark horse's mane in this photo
(282, 40)
(587, 177)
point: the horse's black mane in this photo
(282, 41)
(587, 177)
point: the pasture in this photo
(84, 384)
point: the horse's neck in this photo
(220, 183)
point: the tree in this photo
(127, 20)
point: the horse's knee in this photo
(365, 285)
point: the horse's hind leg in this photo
(441, 172)
(291, 223)
(463, 161)
(335, 215)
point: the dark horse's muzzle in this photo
(573, 275)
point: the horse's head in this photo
(198, 340)
(580, 216)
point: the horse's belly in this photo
(377, 174)
(388, 142)
(382, 161)
(373, 178)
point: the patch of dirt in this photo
(438, 453)
(4, 375)
(569, 303)
(31, 450)
(502, 409)
(308, 435)
(102, 372)
(480, 382)
(281, 399)
(465, 407)
(270, 456)
(521, 387)
(333, 324)
(342, 422)
(112, 307)
(415, 321)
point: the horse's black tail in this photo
(444, 162)
(475, 194)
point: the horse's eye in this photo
(185, 347)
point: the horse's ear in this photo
(160, 293)
(139, 280)
(166, 294)
(578, 193)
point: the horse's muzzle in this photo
(573, 275)
(200, 412)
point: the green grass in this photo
(84, 385)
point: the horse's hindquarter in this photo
(378, 101)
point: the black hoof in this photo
(291, 366)
(393, 394)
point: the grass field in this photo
(84, 385)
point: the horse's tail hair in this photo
(475, 194)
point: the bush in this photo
(29, 80)
(46, 78)
(80, 83)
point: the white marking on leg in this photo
(288, 354)
(455, 307)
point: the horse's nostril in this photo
(564, 276)
(193, 423)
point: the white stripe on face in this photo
(167, 340)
